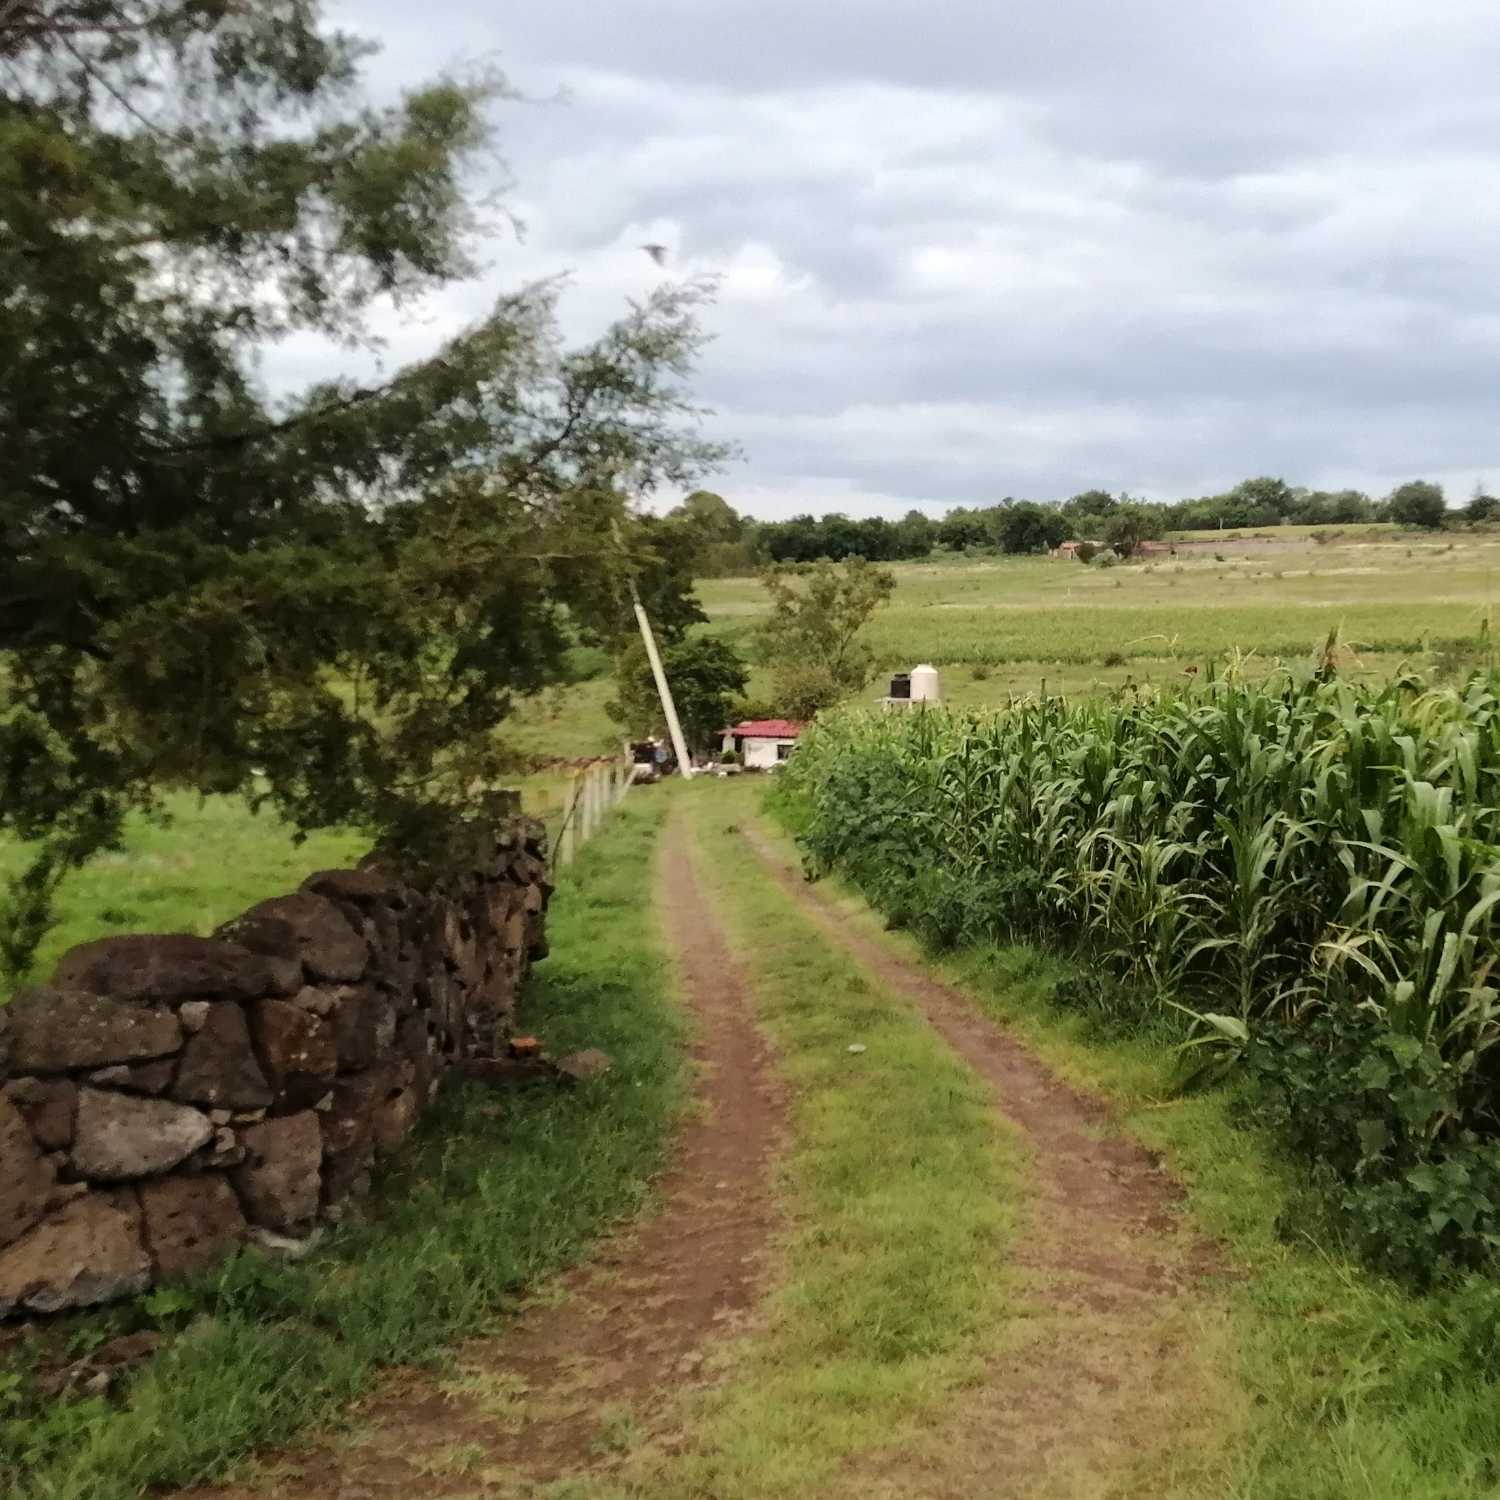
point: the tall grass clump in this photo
(1309, 867)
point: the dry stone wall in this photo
(165, 1098)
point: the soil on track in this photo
(617, 1339)
(1119, 1352)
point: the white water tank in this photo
(924, 684)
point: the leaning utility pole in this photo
(663, 688)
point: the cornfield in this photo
(1262, 853)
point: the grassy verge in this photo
(1356, 1388)
(484, 1201)
(899, 1191)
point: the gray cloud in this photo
(969, 250)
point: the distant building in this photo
(1066, 549)
(762, 743)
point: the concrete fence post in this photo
(568, 844)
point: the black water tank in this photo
(901, 685)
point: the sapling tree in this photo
(811, 640)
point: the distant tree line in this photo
(727, 542)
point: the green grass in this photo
(898, 1185)
(1345, 530)
(1400, 596)
(206, 864)
(1354, 1387)
(480, 1205)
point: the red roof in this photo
(768, 729)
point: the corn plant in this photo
(1255, 850)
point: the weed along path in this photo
(591, 1367)
(1111, 1381)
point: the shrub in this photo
(1087, 551)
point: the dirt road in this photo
(592, 1367)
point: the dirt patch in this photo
(589, 1370)
(1116, 1350)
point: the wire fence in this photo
(589, 796)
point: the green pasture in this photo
(1407, 597)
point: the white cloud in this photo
(971, 250)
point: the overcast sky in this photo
(971, 249)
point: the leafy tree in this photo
(1029, 527)
(723, 541)
(705, 673)
(963, 528)
(836, 536)
(714, 517)
(1268, 500)
(1133, 523)
(916, 535)
(1334, 508)
(1090, 505)
(1418, 503)
(811, 640)
(1482, 507)
(328, 599)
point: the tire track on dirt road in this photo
(617, 1339)
(1117, 1353)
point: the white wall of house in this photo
(762, 753)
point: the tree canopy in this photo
(1418, 503)
(706, 675)
(326, 597)
(811, 639)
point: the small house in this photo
(1066, 549)
(763, 743)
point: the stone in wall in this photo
(297, 1050)
(218, 1066)
(309, 928)
(49, 1107)
(57, 1030)
(138, 1078)
(91, 1250)
(26, 1176)
(163, 968)
(121, 1136)
(348, 1128)
(281, 1181)
(190, 1221)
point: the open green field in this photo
(1349, 531)
(1034, 623)
(1281, 599)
